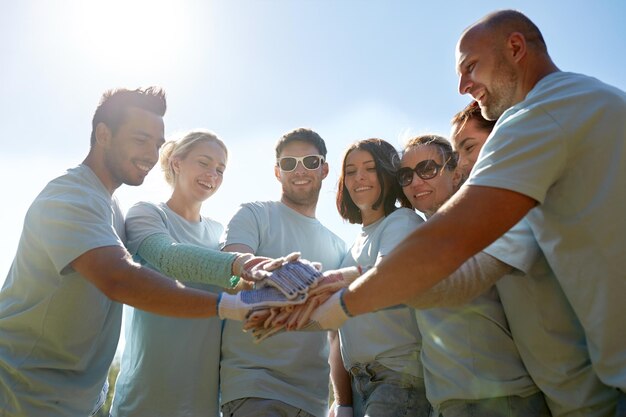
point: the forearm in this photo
(340, 378)
(437, 248)
(187, 263)
(473, 278)
(112, 271)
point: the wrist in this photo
(342, 303)
(239, 262)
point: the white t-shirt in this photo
(565, 146)
(58, 332)
(289, 367)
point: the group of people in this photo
(503, 297)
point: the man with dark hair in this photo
(60, 306)
(557, 155)
(287, 374)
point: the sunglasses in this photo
(426, 170)
(310, 162)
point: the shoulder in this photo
(404, 216)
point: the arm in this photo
(474, 277)
(438, 247)
(186, 262)
(112, 270)
(340, 378)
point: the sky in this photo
(251, 70)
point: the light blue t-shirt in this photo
(289, 367)
(546, 331)
(390, 336)
(564, 145)
(58, 332)
(468, 352)
(170, 366)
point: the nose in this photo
(464, 84)
(416, 179)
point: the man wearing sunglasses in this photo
(286, 374)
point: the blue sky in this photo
(251, 70)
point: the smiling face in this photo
(485, 73)
(199, 174)
(361, 182)
(428, 195)
(132, 151)
(467, 140)
(301, 187)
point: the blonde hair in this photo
(180, 148)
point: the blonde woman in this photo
(170, 366)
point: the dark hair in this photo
(509, 21)
(304, 135)
(448, 156)
(472, 112)
(114, 104)
(387, 163)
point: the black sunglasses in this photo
(426, 170)
(310, 162)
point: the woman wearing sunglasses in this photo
(380, 350)
(171, 364)
(471, 364)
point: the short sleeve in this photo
(143, 220)
(68, 229)
(244, 228)
(525, 153)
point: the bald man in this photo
(557, 155)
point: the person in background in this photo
(287, 374)
(545, 330)
(471, 364)
(61, 303)
(170, 366)
(379, 350)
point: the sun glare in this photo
(129, 36)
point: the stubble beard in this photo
(307, 199)
(502, 91)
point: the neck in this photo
(188, 210)
(307, 210)
(535, 72)
(97, 165)
(369, 216)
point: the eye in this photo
(350, 172)
(469, 148)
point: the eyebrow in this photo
(211, 158)
(465, 140)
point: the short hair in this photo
(180, 148)
(472, 112)
(114, 104)
(507, 21)
(387, 163)
(301, 134)
(448, 156)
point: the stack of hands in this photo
(290, 294)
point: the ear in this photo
(277, 172)
(456, 178)
(324, 170)
(103, 134)
(516, 45)
(175, 163)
